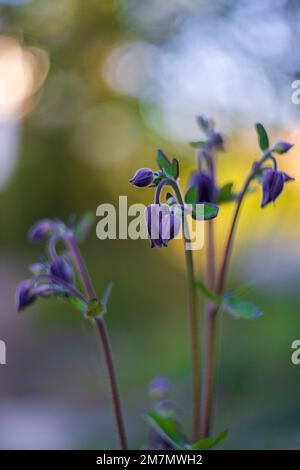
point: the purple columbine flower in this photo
(41, 229)
(206, 191)
(25, 294)
(273, 183)
(142, 178)
(61, 269)
(162, 224)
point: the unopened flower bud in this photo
(41, 229)
(61, 269)
(25, 294)
(142, 178)
(282, 147)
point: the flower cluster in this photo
(52, 276)
(164, 219)
(202, 187)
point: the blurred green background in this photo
(88, 92)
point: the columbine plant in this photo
(55, 277)
(203, 189)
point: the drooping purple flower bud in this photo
(61, 269)
(272, 185)
(282, 147)
(41, 229)
(206, 191)
(25, 294)
(162, 224)
(142, 178)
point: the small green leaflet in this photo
(231, 303)
(168, 428)
(210, 211)
(239, 308)
(198, 144)
(226, 194)
(170, 168)
(175, 168)
(162, 160)
(208, 443)
(191, 195)
(263, 138)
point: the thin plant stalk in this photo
(104, 337)
(228, 248)
(209, 325)
(192, 311)
(209, 340)
(210, 354)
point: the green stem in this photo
(210, 334)
(207, 394)
(103, 333)
(228, 247)
(192, 309)
(211, 310)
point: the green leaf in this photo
(198, 144)
(239, 308)
(175, 168)
(208, 443)
(167, 428)
(191, 195)
(163, 161)
(207, 292)
(210, 211)
(170, 168)
(263, 138)
(226, 194)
